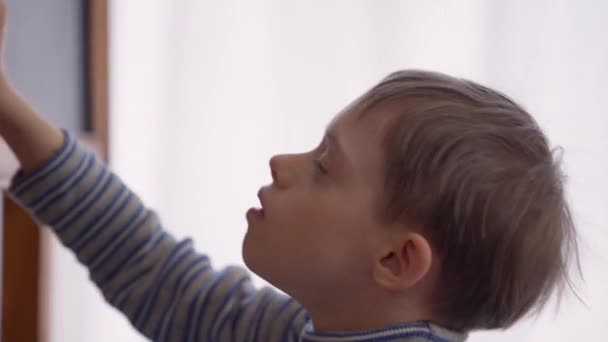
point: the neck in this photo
(360, 314)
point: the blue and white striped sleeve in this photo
(167, 290)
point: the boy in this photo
(432, 207)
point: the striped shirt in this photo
(168, 291)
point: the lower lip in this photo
(255, 214)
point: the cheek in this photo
(324, 234)
(298, 211)
(283, 242)
(319, 220)
(352, 234)
(295, 236)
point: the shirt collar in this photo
(407, 332)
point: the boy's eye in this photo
(319, 165)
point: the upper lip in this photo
(260, 197)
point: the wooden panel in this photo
(20, 267)
(98, 71)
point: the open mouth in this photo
(255, 214)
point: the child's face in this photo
(319, 229)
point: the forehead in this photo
(361, 139)
(372, 118)
(363, 127)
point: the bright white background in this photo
(204, 92)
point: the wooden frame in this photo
(21, 275)
(24, 295)
(99, 72)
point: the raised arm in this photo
(31, 138)
(167, 290)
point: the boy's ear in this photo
(404, 262)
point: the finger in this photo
(2, 14)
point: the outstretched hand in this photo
(30, 136)
(2, 35)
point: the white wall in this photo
(204, 92)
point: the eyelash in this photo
(319, 166)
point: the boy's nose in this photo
(282, 172)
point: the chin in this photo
(246, 252)
(257, 261)
(252, 255)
